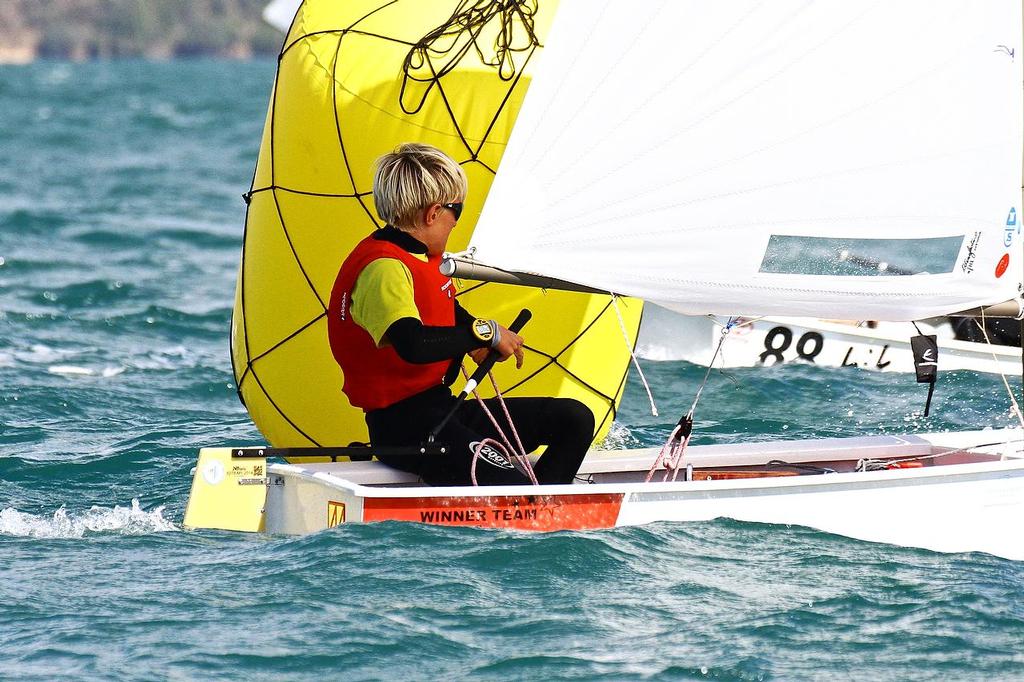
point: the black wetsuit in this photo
(1001, 331)
(564, 425)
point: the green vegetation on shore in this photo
(159, 29)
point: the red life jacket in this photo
(377, 377)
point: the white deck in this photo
(963, 501)
(735, 454)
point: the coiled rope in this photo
(460, 33)
(517, 454)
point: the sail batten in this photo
(685, 166)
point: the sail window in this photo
(840, 257)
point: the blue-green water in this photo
(120, 227)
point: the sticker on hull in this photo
(335, 513)
(524, 512)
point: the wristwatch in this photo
(486, 331)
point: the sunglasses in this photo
(455, 208)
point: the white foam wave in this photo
(70, 370)
(173, 357)
(75, 370)
(660, 353)
(42, 353)
(619, 437)
(169, 113)
(120, 520)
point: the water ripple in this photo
(117, 271)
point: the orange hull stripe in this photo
(524, 512)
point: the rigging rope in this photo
(671, 455)
(872, 464)
(460, 33)
(516, 455)
(1014, 405)
(632, 354)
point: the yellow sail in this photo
(354, 80)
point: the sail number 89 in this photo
(778, 340)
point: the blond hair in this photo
(413, 177)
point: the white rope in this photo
(671, 455)
(632, 354)
(518, 456)
(1015, 407)
(726, 328)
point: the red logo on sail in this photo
(1003, 263)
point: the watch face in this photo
(482, 330)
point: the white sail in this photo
(826, 158)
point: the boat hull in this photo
(970, 497)
(770, 341)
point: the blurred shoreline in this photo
(85, 30)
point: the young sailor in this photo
(399, 335)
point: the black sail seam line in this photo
(337, 118)
(290, 190)
(554, 361)
(284, 41)
(477, 160)
(583, 382)
(341, 141)
(289, 337)
(504, 101)
(554, 358)
(245, 238)
(613, 411)
(361, 195)
(241, 379)
(350, 29)
(245, 335)
(352, 26)
(585, 329)
(625, 372)
(368, 34)
(451, 112)
(622, 382)
(609, 413)
(551, 361)
(295, 253)
(586, 384)
(472, 288)
(281, 412)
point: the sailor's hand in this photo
(510, 344)
(479, 355)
